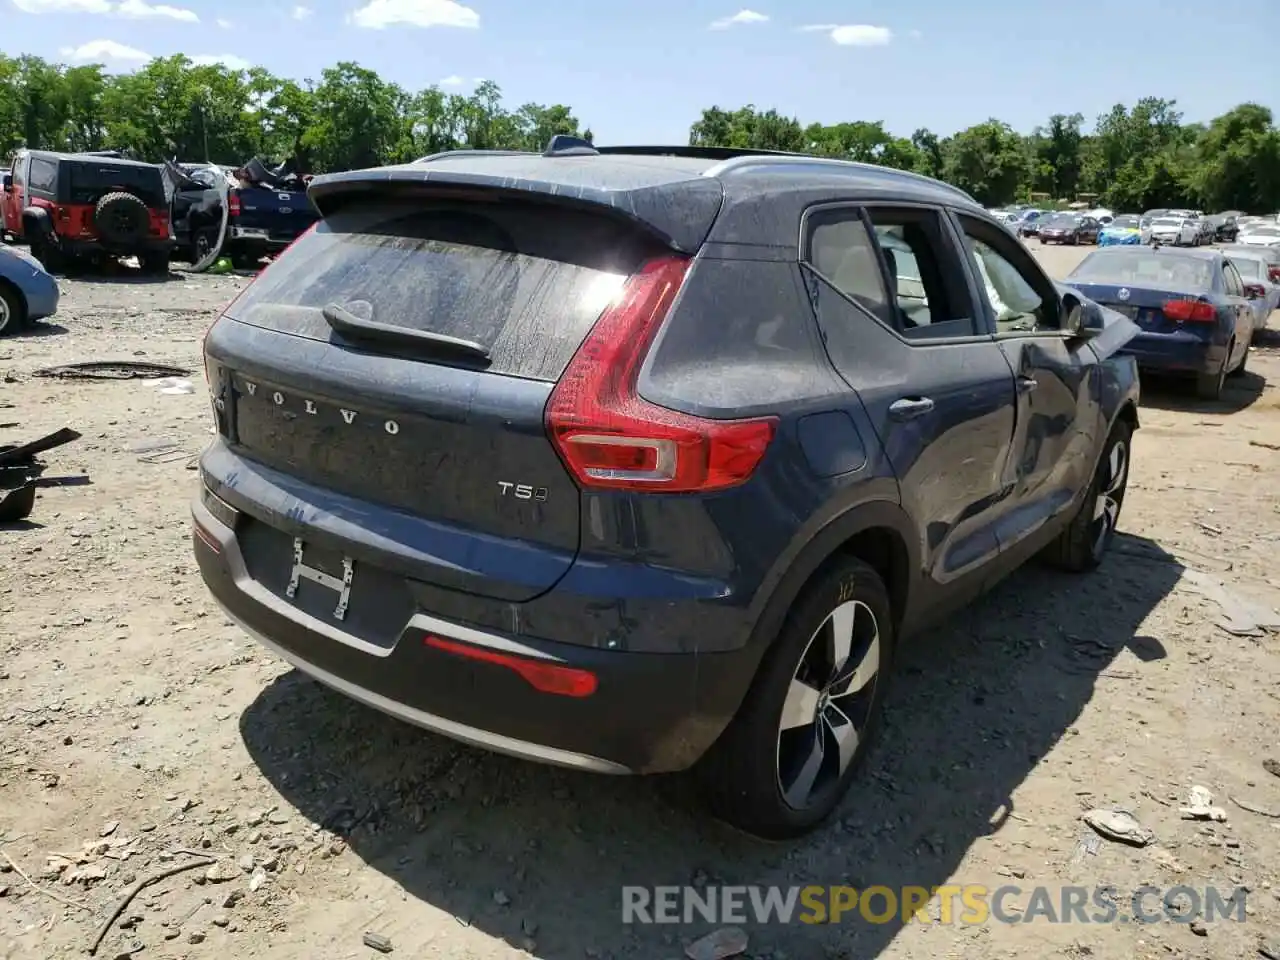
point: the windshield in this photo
(1125, 222)
(89, 182)
(1064, 220)
(1264, 231)
(1166, 222)
(1248, 268)
(1120, 266)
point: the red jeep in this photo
(74, 208)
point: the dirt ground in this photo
(137, 724)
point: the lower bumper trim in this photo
(427, 721)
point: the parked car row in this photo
(76, 210)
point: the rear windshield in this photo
(1143, 268)
(526, 281)
(88, 182)
(1247, 267)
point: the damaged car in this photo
(77, 209)
(244, 213)
(539, 452)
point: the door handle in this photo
(908, 408)
(1027, 384)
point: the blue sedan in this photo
(27, 291)
(1192, 307)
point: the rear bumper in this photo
(80, 247)
(1176, 353)
(258, 239)
(650, 713)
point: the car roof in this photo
(91, 158)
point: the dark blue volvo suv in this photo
(645, 459)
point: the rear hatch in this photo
(278, 215)
(402, 354)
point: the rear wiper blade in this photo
(343, 321)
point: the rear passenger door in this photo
(1244, 311)
(1054, 442)
(901, 325)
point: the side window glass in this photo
(1018, 306)
(925, 276)
(1235, 286)
(841, 249)
(43, 173)
(18, 179)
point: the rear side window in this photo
(43, 174)
(89, 182)
(526, 281)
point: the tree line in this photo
(1132, 158)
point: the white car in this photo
(1259, 235)
(1176, 231)
(1254, 270)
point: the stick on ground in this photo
(135, 890)
(53, 894)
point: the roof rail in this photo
(697, 153)
(473, 153)
(764, 158)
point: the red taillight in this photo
(1190, 311)
(543, 676)
(1255, 290)
(1273, 274)
(233, 204)
(608, 436)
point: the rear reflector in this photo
(1193, 311)
(610, 437)
(543, 677)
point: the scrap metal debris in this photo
(725, 942)
(112, 370)
(1119, 825)
(1200, 807)
(20, 473)
(1240, 617)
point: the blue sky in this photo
(639, 72)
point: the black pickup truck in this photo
(266, 210)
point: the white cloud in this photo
(63, 6)
(301, 13)
(224, 24)
(853, 35)
(453, 81)
(228, 60)
(742, 16)
(915, 34)
(141, 10)
(107, 52)
(379, 14)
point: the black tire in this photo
(122, 218)
(47, 252)
(742, 777)
(1209, 385)
(154, 264)
(202, 242)
(1084, 542)
(13, 309)
(246, 260)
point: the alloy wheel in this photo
(828, 704)
(1106, 510)
(6, 314)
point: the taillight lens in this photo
(610, 437)
(1190, 311)
(233, 204)
(1255, 290)
(1273, 273)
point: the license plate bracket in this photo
(340, 585)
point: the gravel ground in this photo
(137, 725)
